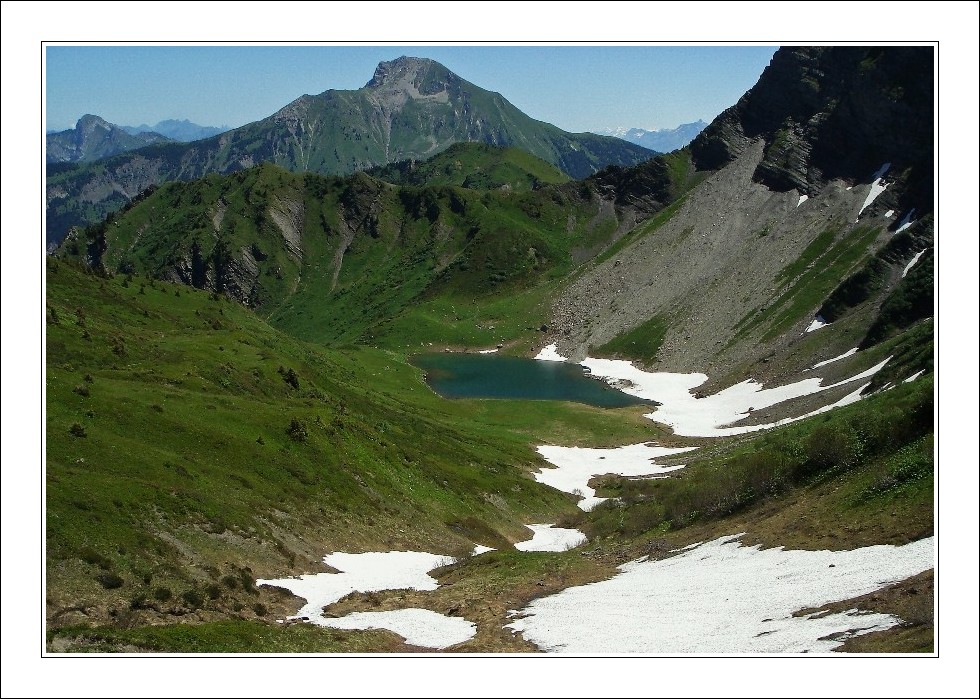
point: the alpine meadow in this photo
(308, 379)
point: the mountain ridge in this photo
(178, 129)
(94, 138)
(659, 140)
(338, 132)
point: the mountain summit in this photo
(411, 109)
(407, 71)
(93, 138)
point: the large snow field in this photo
(721, 597)
(689, 416)
(711, 416)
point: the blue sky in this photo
(577, 88)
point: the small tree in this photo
(297, 430)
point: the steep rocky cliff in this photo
(826, 162)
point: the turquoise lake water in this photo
(464, 375)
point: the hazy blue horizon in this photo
(577, 88)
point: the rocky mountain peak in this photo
(414, 75)
(90, 121)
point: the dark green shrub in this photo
(832, 446)
(297, 430)
(77, 430)
(109, 580)
(289, 376)
(193, 598)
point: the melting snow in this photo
(817, 323)
(846, 354)
(723, 597)
(480, 548)
(905, 222)
(372, 572)
(914, 376)
(576, 466)
(489, 351)
(876, 187)
(548, 537)
(889, 213)
(911, 264)
(419, 627)
(803, 198)
(550, 354)
(707, 417)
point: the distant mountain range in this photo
(94, 138)
(411, 109)
(661, 140)
(178, 130)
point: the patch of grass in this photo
(807, 281)
(641, 343)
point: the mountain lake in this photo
(465, 375)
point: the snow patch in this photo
(419, 627)
(550, 354)
(480, 548)
(575, 466)
(911, 264)
(360, 572)
(722, 597)
(548, 537)
(489, 351)
(905, 222)
(803, 198)
(914, 376)
(817, 323)
(846, 354)
(710, 416)
(889, 213)
(876, 188)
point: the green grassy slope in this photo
(338, 260)
(474, 166)
(192, 448)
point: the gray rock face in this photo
(830, 113)
(737, 271)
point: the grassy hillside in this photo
(338, 260)
(474, 166)
(192, 448)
